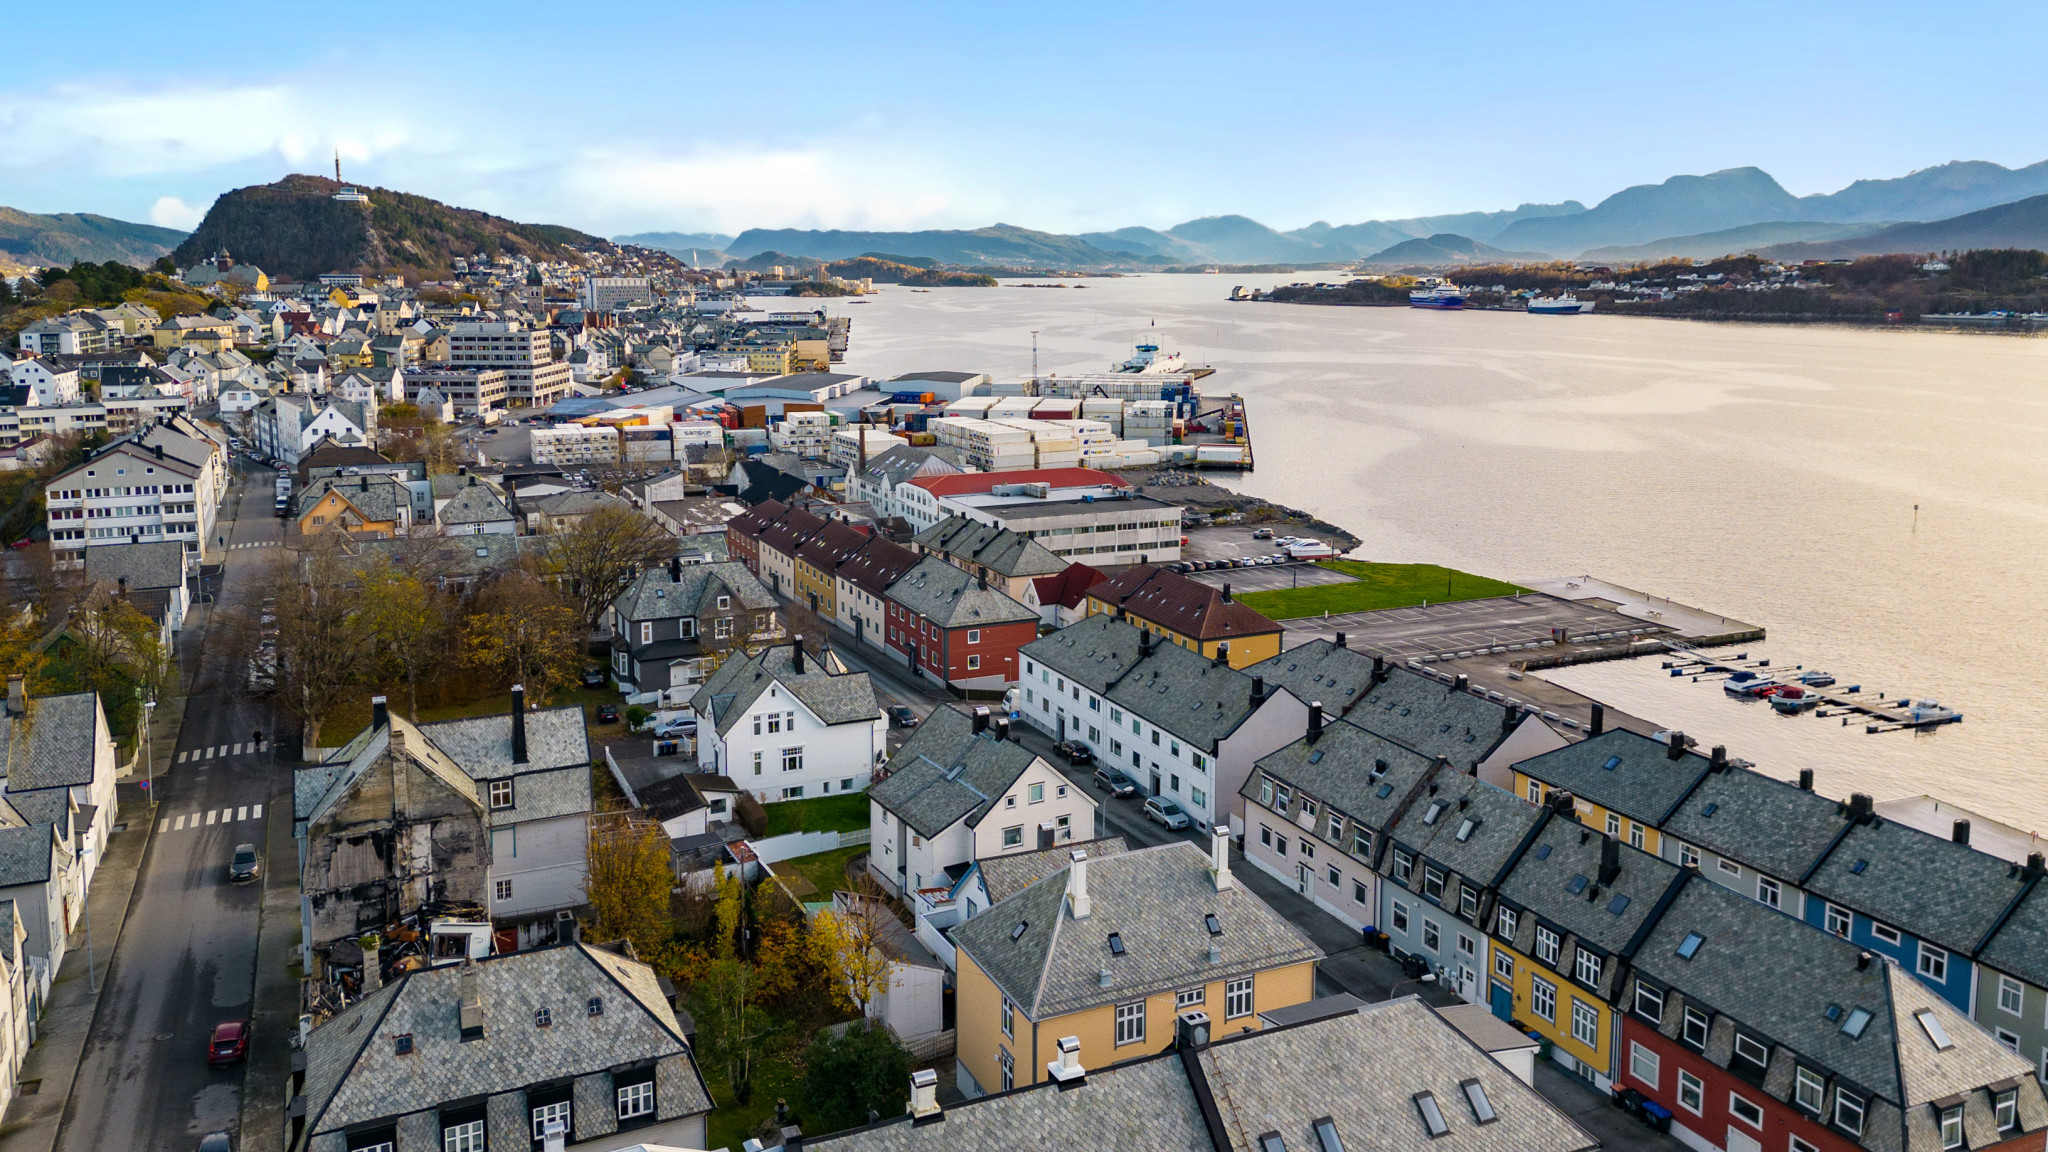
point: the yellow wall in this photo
(1600, 1056)
(1594, 816)
(327, 513)
(1245, 651)
(768, 360)
(809, 579)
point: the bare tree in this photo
(323, 647)
(601, 552)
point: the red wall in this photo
(945, 656)
(1713, 1121)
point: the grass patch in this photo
(825, 870)
(731, 1124)
(1374, 587)
(845, 812)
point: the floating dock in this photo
(1881, 711)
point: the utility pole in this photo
(1034, 373)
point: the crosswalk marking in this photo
(210, 814)
(180, 825)
(221, 816)
(256, 811)
(164, 824)
(256, 544)
(242, 813)
(182, 755)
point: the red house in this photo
(743, 532)
(955, 628)
(1761, 1033)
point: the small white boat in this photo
(1565, 305)
(1792, 700)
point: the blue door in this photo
(1502, 999)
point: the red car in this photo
(230, 1042)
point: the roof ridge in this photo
(369, 1034)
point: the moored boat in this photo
(1440, 297)
(1565, 305)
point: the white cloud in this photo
(171, 212)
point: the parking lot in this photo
(1231, 543)
(1470, 627)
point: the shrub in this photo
(752, 816)
(636, 716)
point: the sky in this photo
(616, 117)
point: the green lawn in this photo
(846, 812)
(730, 1124)
(826, 870)
(1375, 586)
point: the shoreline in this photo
(1782, 320)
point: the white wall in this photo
(836, 758)
(913, 1003)
(1017, 810)
(546, 860)
(1530, 739)
(1280, 721)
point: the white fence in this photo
(791, 845)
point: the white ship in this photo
(1150, 360)
(1565, 305)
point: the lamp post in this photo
(149, 753)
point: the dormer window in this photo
(501, 794)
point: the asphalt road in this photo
(186, 960)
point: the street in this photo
(186, 960)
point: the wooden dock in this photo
(1880, 711)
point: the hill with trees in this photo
(61, 239)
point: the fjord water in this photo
(1767, 472)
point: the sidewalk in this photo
(267, 1084)
(66, 1024)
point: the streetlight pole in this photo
(92, 979)
(149, 752)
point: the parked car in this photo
(1075, 752)
(670, 729)
(607, 713)
(230, 1042)
(244, 865)
(1262, 533)
(900, 716)
(593, 677)
(1166, 812)
(1115, 781)
(216, 1142)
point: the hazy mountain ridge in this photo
(2020, 224)
(64, 238)
(1446, 248)
(1709, 245)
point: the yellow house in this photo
(1563, 926)
(375, 506)
(763, 359)
(1622, 783)
(209, 333)
(1188, 613)
(352, 352)
(1111, 951)
(817, 564)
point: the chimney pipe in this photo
(1676, 749)
(675, 569)
(1509, 717)
(1806, 779)
(1862, 961)
(980, 719)
(373, 966)
(519, 723)
(1066, 1067)
(1077, 884)
(1219, 855)
(1226, 593)
(380, 715)
(796, 655)
(1222, 654)
(999, 728)
(1144, 643)
(1719, 760)
(1258, 688)
(1461, 683)
(1191, 1029)
(1960, 832)
(2036, 866)
(1610, 859)
(1861, 807)
(1598, 724)
(17, 696)
(1315, 721)
(924, 1095)
(1563, 803)
(1339, 642)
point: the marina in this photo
(1797, 690)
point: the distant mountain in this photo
(1445, 248)
(1680, 206)
(2021, 224)
(1002, 244)
(1150, 242)
(1374, 235)
(295, 228)
(65, 238)
(1937, 193)
(1728, 241)
(763, 261)
(1242, 240)
(670, 241)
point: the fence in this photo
(790, 845)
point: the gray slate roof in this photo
(1757, 821)
(1342, 771)
(377, 497)
(1930, 886)
(945, 773)
(1542, 882)
(1156, 899)
(1002, 550)
(2020, 946)
(25, 854)
(1004, 876)
(54, 747)
(1433, 718)
(951, 597)
(354, 1074)
(474, 504)
(834, 697)
(1175, 688)
(1645, 784)
(158, 565)
(1502, 822)
(1360, 1069)
(654, 596)
(482, 745)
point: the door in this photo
(1740, 1141)
(1503, 1002)
(1302, 879)
(1062, 718)
(1468, 984)
(1155, 781)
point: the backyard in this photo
(846, 812)
(1374, 587)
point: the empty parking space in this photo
(1469, 627)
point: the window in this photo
(1951, 1128)
(1543, 998)
(1933, 962)
(1336, 832)
(1265, 835)
(1888, 935)
(1587, 968)
(1200, 798)
(1400, 916)
(467, 1136)
(1769, 892)
(1649, 1002)
(1237, 998)
(793, 759)
(1404, 866)
(1745, 1110)
(724, 603)
(1008, 1063)
(1432, 1115)
(1613, 824)
(1433, 884)
(1266, 791)
(503, 889)
(721, 629)
(1535, 792)
(636, 1100)
(1546, 945)
(974, 635)
(550, 1112)
(2005, 1108)
(1190, 998)
(501, 794)
(1358, 892)
(1695, 1030)
(1503, 964)
(795, 792)
(1692, 1094)
(1728, 866)
(1585, 1024)
(1838, 921)
(1468, 901)
(1308, 849)
(757, 761)
(1009, 1011)
(1361, 841)
(1432, 936)
(1849, 1111)
(2010, 997)
(1808, 1089)
(974, 663)
(1508, 919)
(1467, 946)
(1335, 877)
(1013, 836)
(2009, 1039)
(1130, 1023)
(1035, 794)
(647, 632)
(1635, 834)
(1642, 1064)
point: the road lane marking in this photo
(238, 750)
(182, 755)
(164, 824)
(181, 825)
(210, 814)
(242, 813)
(256, 811)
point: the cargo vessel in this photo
(1441, 298)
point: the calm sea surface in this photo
(1769, 473)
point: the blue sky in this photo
(619, 116)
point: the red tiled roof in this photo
(968, 483)
(832, 545)
(1178, 604)
(878, 565)
(1068, 587)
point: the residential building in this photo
(786, 725)
(1758, 1032)
(776, 546)
(165, 482)
(1111, 952)
(525, 355)
(884, 481)
(158, 572)
(1392, 1076)
(209, 333)
(671, 622)
(562, 511)
(1183, 727)
(374, 505)
(2012, 982)
(1187, 612)
(860, 587)
(953, 628)
(1009, 560)
(983, 884)
(469, 390)
(959, 791)
(1624, 783)
(59, 788)
(1751, 833)
(575, 444)
(573, 1043)
(473, 509)
(72, 334)
(1062, 598)
(347, 460)
(49, 383)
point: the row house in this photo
(954, 629)
(1182, 726)
(786, 725)
(1008, 559)
(1187, 612)
(667, 626)
(816, 564)
(860, 587)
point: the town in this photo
(557, 706)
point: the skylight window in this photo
(595, 1006)
(1543, 851)
(1436, 809)
(1834, 1012)
(1271, 1142)
(1017, 933)
(542, 1018)
(1710, 809)
(1613, 762)
(1575, 885)
(1327, 1139)
(1690, 946)
(1214, 925)
(1858, 1020)
(1857, 868)
(402, 1043)
(1618, 905)
(1316, 757)
(1475, 1095)
(1934, 1030)
(1432, 1116)
(1116, 943)
(1385, 791)
(1465, 829)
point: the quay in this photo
(1888, 712)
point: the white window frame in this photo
(1237, 998)
(1191, 997)
(546, 1112)
(467, 1136)
(1932, 962)
(1432, 935)
(637, 1097)
(1503, 964)
(1795, 1144)
(1542, 992)
(1951, 1127)
(1646, 992)
(2018, 1006)
(501, 795)
(1588, 1016)
(1738, 1103)
(1837, 921)
(1742, 1040)
(1769, 892)
(1806, 1081)
(1640, 1058)
(1886, 933)
(1130, 1023)
(1728, 866)
(1586, 967)
(1508, 921)
(1547, 943)
(1848, 1104)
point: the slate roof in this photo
(1757, 821)
(1180, 604)
(450, 555)
(833, 697)
(754, 519)
(54, 746)
(473, 503)
(1645, 784)
(157, 565)
(354, 1074)
(2020, 946)
(25, 854)
(670, 797)
(571, 503)
(1188, 694)
(1543, 882)
(1002, 550)
(832, 545)
(790, 531)
(1427, 715)
(1929, 886)
(879, 563)
(656, 595)
(1155, 898)
(482, 745)
(1341, 770)
(1361, 1069)
(952, 598)
(379, 497)
(946, 773)
(1004, 876)
(1501, 824)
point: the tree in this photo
(525, 633)
(323, 650)
(850, 938)
(602, 551)
(726, 914)
(629, 884)
(863, 1069)
(732, 1034)
(408, 627)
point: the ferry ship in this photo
(1565, 305)
(1149, 360)
(1442, 297)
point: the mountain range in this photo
(29, 238)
